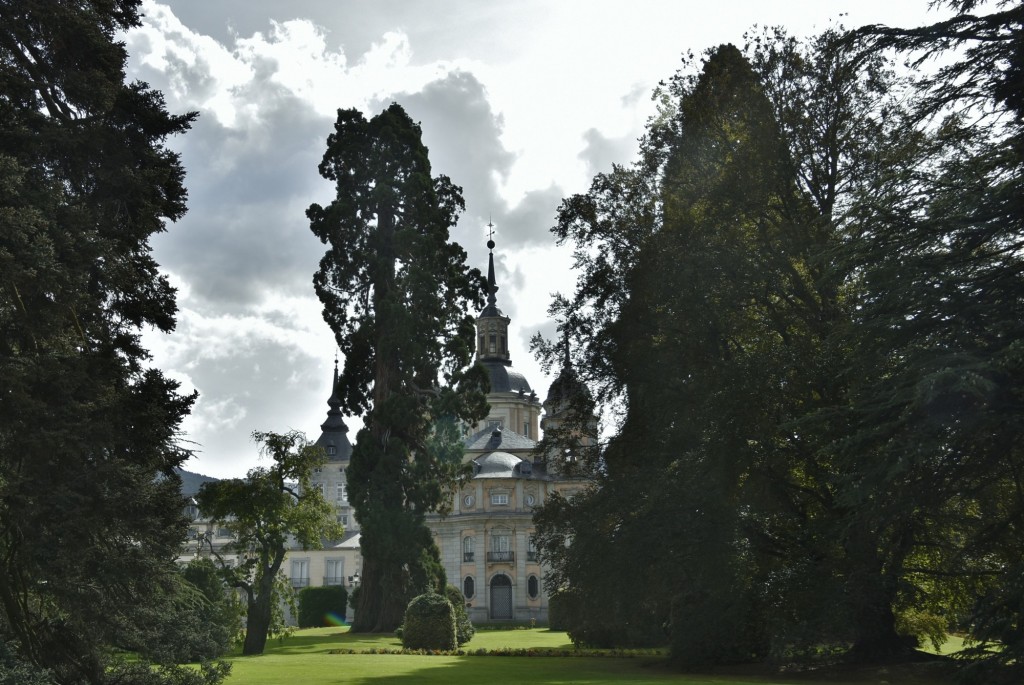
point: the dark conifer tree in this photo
(397, 295)
(90, 508)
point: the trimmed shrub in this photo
(322, 606)
(464, 630)
(429, 623)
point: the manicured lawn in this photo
(306, 659)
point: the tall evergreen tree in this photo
(397, 295)
(716, 259)
(711, 284)
(90, 508)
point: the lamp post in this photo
(353, 584)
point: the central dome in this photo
(498, 464)
(506, 379)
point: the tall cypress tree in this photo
(90, 509)
(397, 295)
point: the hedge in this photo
(322, 606)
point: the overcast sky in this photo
(521, 103)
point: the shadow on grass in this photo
(324, 641)
(424, 670)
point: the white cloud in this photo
(520, 103)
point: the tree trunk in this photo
(875, 625)
(381, 605)
(257, 620)
(872, 592)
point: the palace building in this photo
(486, 541)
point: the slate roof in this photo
(334, 428)
(490, 440)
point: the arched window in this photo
(533, 587)
(469, 587)
(467, 548)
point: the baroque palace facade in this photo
(486, 541)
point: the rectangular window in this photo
(335, 572)
(300, 573)
(342, 492)
(526, 428)
(501, 549)
(501, 543)
(499, 498)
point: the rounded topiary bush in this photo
(429, 623)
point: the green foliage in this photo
(262, 511)
(429, 623)
(198, 620)
(804, 298)
(561, 607)
(316, 604)
(923, 625)
(90, 509)
(15, 671)
(144, 673)
(464, 630)
(397, 295)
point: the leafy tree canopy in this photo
(264, 512)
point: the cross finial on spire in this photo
(490, 234)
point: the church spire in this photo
(492, 286)
(334, 421)
(492, 324)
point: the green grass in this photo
(305, 658)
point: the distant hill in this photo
(190, 482)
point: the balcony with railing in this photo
(299, 583)
(467, 556)
(497, 557)
(532, 556)
(334, 580)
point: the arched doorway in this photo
(501, 597)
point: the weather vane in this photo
(490, 229)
